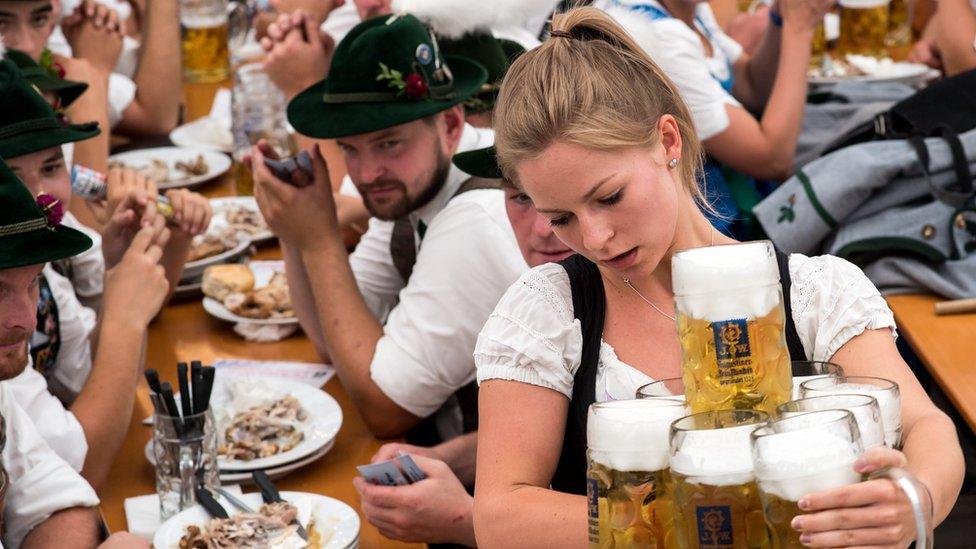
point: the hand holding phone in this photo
(284, 168)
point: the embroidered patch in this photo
(786, 212)
(424, 54)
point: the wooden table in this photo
(184, 332)
(945, 344)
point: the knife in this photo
(212, 506)
(235, 501)
(270, 494)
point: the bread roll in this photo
(221, 280)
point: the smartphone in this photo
(283, 169)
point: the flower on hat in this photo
(413, 86)
(52, 209)
(53, 68)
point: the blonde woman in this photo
(600, 141)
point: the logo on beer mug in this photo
(714, 526)
(732, 351)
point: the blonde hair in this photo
(592, 85)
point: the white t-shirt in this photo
(466, 261)
(533, 337)
(678, 50)
(41, 483)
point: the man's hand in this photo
(191, 211)
(136, 288)
(303, 217)
(121, 228)
(871, 513)
(299, 52)
(926, 51)
(393, 449)
(123, 182)
(434, 510)
(93, 33)
(318, 10)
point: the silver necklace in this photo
(648, 301)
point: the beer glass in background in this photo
(900, 15)
(729, 306)
(818, 47)
(864, 408)
(800, 455)
(258, 112)
(672, 388)
(811, 369)
(204, 26)
(628, 485)
(884, 391)
(863, 27)
(715, 487)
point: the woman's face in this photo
(44, 172)
(616, 208)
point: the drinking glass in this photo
(715, 492)
(207, 28)
(258, 112)
(863, 27)
(185, 450)
(672, 388)
(885, 391)
(812, 369)
(864, 408)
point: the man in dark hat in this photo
(45, 502)
(399, 317)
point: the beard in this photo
(399, 202)
(13, 360)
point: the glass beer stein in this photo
(812, 369)
(863, 27)
(885, 391)
(730, 316)
(208, 26)
(864, 408)
(628, 485)
(900, 15)
(715, 488)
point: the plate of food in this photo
(171, 167)
(863, 68)
(255, 293)
(240, 213)
(330, 523)
(213, 248)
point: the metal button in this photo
(928, 232)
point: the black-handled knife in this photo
(210, 504)
(270, 494)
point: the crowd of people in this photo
(520, 152)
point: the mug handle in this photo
(916, 494)
(188, 480)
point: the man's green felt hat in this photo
(45, 79)
(387, 71)
(27, 122)
(494, 54)
(479, 163)
(27, 236)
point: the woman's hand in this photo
(874, 513)
(802, 15)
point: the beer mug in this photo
(799, 455)
(730, 317)
(900, 15)
(863, 27)
(672, 388)
(811, 369)
(715, 487)
(627, 483)
(258, 112)
(208, 27)
(818, 47)
(864, 408)
(884, 391)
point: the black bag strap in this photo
(961, 192)
(793, 343)
(589, 307)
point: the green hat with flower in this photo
(48, 76)
(482, 47)
(27, 122)
(30, 229)
(387, 71)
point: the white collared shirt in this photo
(466, 261)
(41, 483)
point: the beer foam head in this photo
(865, 409)
(884, 391)
(711, 283)
(632, 435)
(717, 457)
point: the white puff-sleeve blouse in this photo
(532, 336)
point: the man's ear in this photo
(452, 121)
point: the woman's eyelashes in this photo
(612, 199)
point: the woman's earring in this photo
(673, 163)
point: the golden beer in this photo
(818, 47)
(721, 516)
(779, 514)
(863, 27)
(243, 181)
(205, 53)
(628, 485)
(899, 24)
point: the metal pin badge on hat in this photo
(424, 54)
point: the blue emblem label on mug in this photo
(732, 351)
(424, 54)
(714, 526)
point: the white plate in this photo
(263, 271)
(244, 477)
(908, 73)
(194, 269)
(221, 205)
(324, 509)
(203, 133)
(217, 163)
